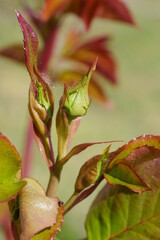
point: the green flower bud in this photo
(77, 99)
(43, 100)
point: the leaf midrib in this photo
(130, 228)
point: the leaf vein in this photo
(131, 228)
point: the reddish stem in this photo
(28, 151)
(47, 51)
(6, 225)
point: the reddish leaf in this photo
(143, 148)
(30, 45)
(116, 10)
(85, 53)
(150, 172)
(44, 28)
(87, 174)
(79, 148)
(41, 103)
(14, 52)
(143, 155)
(53, 7)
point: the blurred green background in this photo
(134, 102)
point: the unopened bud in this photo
(77, 98)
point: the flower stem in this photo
(54, 180)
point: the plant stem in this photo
(28, 149)
(54, 180)
(70, 201)
(52, 185)
(55, 172)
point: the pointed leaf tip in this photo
(30, 43)
(94, 64)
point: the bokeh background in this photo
(134, 102)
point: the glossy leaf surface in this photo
(38, 212)
(142, 156)
(141, 149)
(125, 175)
(10, 170)
(118, 213)
(30, 45)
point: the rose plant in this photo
(127, 207)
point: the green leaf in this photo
(10, 170)
(125, 175)
(118, 213)
(39, 214)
